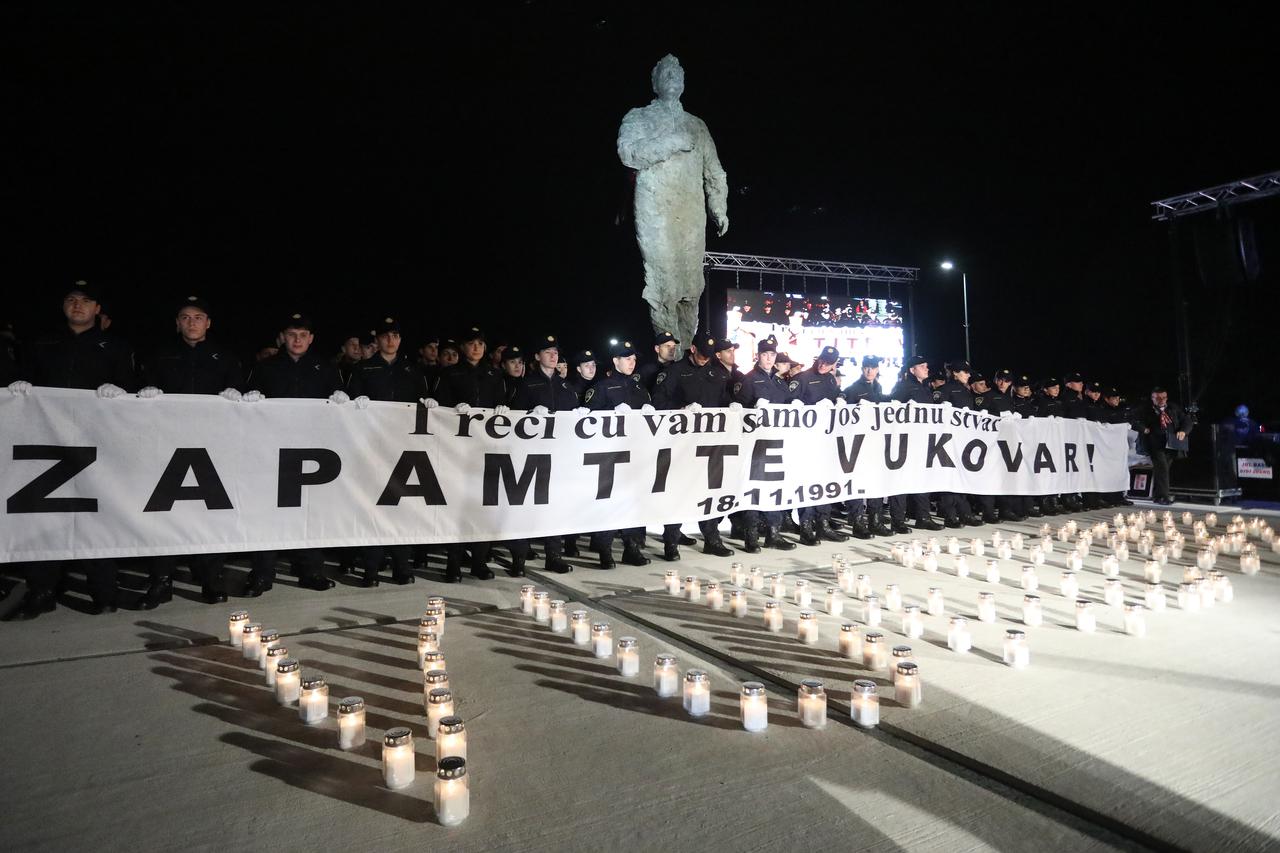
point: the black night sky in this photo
(456, 167)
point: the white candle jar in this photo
(906, 687)
(864, 704)
(1004, 551)
(1085, 620)
(274, 656)
(434, 660)
(1046, 545)
(432, 679)
(986, 607)
(288, 681)
(834, 601)
(251, 641)
(912, 622)
(807, 628)
(697, 693)
(962, 566)
(1113, 592)
(1122, 552)
(1030, 581)
(351, 729)
(269, 638)
(628, 657)
(778, 587)
(1032, 612)
(526, 599)
(666, 676)
(929, 563)
(1160, 554)
(754, 705)
(1036, 556)
(580, 625)
(451, 739)
(772, 616)
(439, 706)
(958, 638)
(850, 643)
(428, 641)
(896, 656)
(1188, 597)
(1074, 562)
(953, 546)
(398, 763)
(837, 561)
(977, 548)
(1068, 586)
(757, 579)
(871, 609)
(1151, 571)
(435, 601)
(735, 574)
(803, 597)
(1190, 574)
(892, 597)
(1205, 559)
(313, 700)
(602, 640)
(692, 588)
(1135, 621)
(1250, 563)
(993, 571)
(738, 603)
(235, 627)
(864, 584)
(1211, 519)
(714, 596)
(671, 580)
(1017, 653)
(542, 607)
(1205, 589)
(1153, 597)
(1221, 586)
(874, 654)
(429, 625)
(848, 581)
(559, 618)
(935, 602)
(1016, 541)
(437, 613)
(811, 704)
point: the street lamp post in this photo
(964, 289)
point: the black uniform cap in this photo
(1094, 386)
(1111, 392)
(194, 302)
(1022, 381)
(1049, 382)
(975, 378)
(960, 367)
(916, 359)
(783, 358)
(829, 355)
(1004, 374)
(85, 289)
(471, 333)
(663, 337)
(769, 344)
(431, 338)
(582, 356)
(545, 342)
(724, 344)
(450, 343)
(705, 344)
(622, 349)
(386, 324)
(937, 373)
(512, 353)
(298, 320)
(1074, 377)
(871, 361)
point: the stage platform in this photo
(146, 730)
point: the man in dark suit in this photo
(1161, 421)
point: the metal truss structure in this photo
(1207, 199)
(804, 267)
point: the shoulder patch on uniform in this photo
(661, 377)
(793, 385)
(977, 401)
(737, 387)
(591, 392)
(937, 396)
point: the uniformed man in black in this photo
(1049, 403)
(387, 375)
(351, 354)
(955, 507)
(191, 365)
(293, 373)
(78, 355)
(810, 387)
(1115, 411)
(866, 515)
(763, 384)
(477, 383)
(1093, 411)
(667, 349)
(668, 395)
(583, 373)
(913, 387)
(997, 400)
(513, 370)
(1025, 404)
(621, 386)
(981, 391)
(711, 387)
(429, 359)
(543, 386)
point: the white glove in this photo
(798, 403)
(826, 404)
(582, 410)
(150, 393)
(107, 391)
(540, 410)
(762, 403)
(622, 407)
(253, 397)
(1010, 414)
(230, 394)
(462, 408)
(502, 410)
(429, 402)
(648, 407)
(735, 407)
(339, 397)
(693, 407)
(22, 386)
(362, 402)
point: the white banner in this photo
(88, 477)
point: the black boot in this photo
(631, 553)
(517, 565)
(807, 536)
(671, 552)
(406, 578)
(713, 546)
(827, 532)
(751, 539)
(860, 528)
(774, 539)
(686, 540)
(35, 603)
(927, 524)
(879, 528)
(606, 558)
(159, 592)
(453, 569)
(319, 583)
(212, 595)
(558, 565)
(256, 586)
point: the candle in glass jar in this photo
(907, 687)
(542, 607)
(602, 640)
(437, 613)
(439, 706)
(1016, 541)
(897, 656)
(235, 627)
(993, 571)
(1135, 622)
(666, 676)
(803, 596)
(428, 641)
(912, 623)
(435, 601)
(1046, 545)
(1153, 597)
(559, 618)
(929, 563)
(757, 579)
(778, 587)
(434, 660)
(1250, 563)
(1030, 581)
(1032, 613)
(526, 599)
(692, 588)
(1017, 653)
(837, 561)
(1074, 562)
(834, 601)
(1085, 620)
(1004, 551)
(1222, 587)
(671, 579)
(1036, 556)
(580, 624)
(1211, 519)
(1113, 592)
(953, 546)
(847, 580)
(288, 681)
(313, 700)
(715, 596)
(864, 704)
(351, 722)
(892, 597)
(697, 693)
(1122, 552)
(874, 654)
(1068, 586)
(958, 638)
(986, 607)
(850, 643)
(977, 548)
(451, 739)
(807, 628)
(1190, 574)
(1188, 597)
(935, 603)
(268, 639)
(871, 609)
(738, 603)
(452, 794)
(628, 656)
(251, 641)
(274, 656)
(1205, 589)
(754, 705)
(431, 679)
(772, 616)
(1151, 571)
(735, 574)
(397, 758)
(811, 704)
(962, 566)
(1205, 559)
(864, 585)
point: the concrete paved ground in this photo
(139, 730)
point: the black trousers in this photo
(100, 575)
(208, 570)
(917, 504)
(371, 557)
(670, 534)
(457, 551)
(866, 508)
(953, 505)
(310, 562)
(1161, 459)
(603, 540)
(813, 513)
